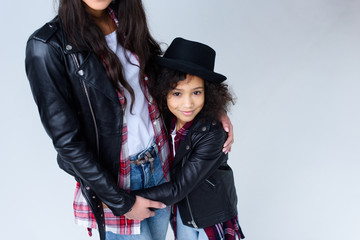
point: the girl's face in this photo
(97, 6)
(187, 99)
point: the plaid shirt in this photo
(221, 231)
(122, 225)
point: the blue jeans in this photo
(188, 233)
(142, 176)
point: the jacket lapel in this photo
(183, 148)
(95, 76)
(87, 67)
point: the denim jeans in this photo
(188, 233)
(142, 176)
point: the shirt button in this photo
(68, 47)
(93, 197)
(154, 123)
(99, 206)
(88, 188)
(203, 129)
(81, 72)
(146, 78)
(187, 147)
(159, 144)
(214, 123)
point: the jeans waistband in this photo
(141, 154)
(146, 156)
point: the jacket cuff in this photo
(125, 207)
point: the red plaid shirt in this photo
(221, 231)
(122, 225)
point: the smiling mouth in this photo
(187, 113)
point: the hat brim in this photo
(191, 68)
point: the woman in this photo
(88, 70)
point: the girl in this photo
(202, 183)
(88, 70)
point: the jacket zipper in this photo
(90, 106)
(191, 215)
(210, 183)
(189, 207)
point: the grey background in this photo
(294, 67)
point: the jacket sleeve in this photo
(204, 160)
(46, 71)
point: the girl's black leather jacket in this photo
(201, 181)
(81, 113)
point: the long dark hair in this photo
(133, 34)
(217, 95)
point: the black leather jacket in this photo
(201, 181)
(81, 113)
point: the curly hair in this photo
(217, 95)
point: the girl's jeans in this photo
(187, 233)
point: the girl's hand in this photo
(141, 208)
(228, 127)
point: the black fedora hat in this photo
(191, 57)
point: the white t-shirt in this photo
(173, 135)
(140, 130)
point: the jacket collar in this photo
(50, 28)
(68, 46)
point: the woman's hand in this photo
(228, 127)
(141, 209)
